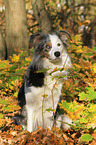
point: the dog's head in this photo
(52, 47)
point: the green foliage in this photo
(1, 116)
(84, 116)
(11, 72)
(11, 75)
(50, 109)
(79, 91)
(4, 102)
(86, 137)
(90, 95)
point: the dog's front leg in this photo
(29, 118)
(29, 108)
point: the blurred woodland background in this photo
(21, 18)
(18, 20)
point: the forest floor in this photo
(12, 134)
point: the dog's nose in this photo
(57, 53)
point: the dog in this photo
(41, 91)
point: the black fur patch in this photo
(34, 78)
(21, 96)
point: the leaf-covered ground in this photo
(78, 94)
(13, 135)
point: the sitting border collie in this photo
(42, 85)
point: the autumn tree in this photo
(16, 25)
(41, 15)
(2, 47)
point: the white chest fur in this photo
(38, 99)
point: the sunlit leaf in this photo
(15, 58)
(93, 67)
(1, 116)
(90, 95)
(86, 137)
(45, 95)
(50, 109)
(94, 48)
(41, 71)
(6, 102)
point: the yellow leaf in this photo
(28, 59)
(12, 83)
(45, 95)
(92, 85)
(15, 58)
(94, 67)
(79, 49)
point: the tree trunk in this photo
(42, 16)
(2, 47)
(16, 25)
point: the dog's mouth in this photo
(55, 59)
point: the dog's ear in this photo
(35, 39)
(64, 36)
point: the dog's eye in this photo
(48, 47)
(58, 44)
